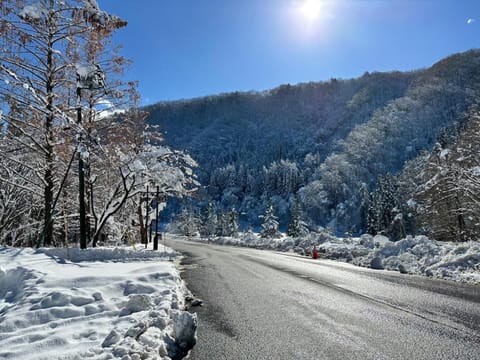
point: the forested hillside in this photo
(336, 144)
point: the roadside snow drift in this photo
(102, 304)
(413, 255)
(419, 255)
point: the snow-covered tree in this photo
(441, 197)
(17, 205)
(222, 224)
(269, 224)
(62, 101)
(188, 222)
(154, 166)
(227, 224)
(384, 205)
(232, 224)
(408, 184)
(210, 222)
(282, 177)
(448, 196)
(38, 40)
(297, 227)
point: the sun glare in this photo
(311, 9)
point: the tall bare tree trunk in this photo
(49, 136)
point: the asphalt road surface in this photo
(267, 305)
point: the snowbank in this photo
(412, 255)
(104, 303)
(419, 255)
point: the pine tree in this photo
(269, 224)
(211, 222)
(363, 207)
(222, 224)
(384, 205)
(188, 222)
(297, 226)
(232, 224)
(373, 214)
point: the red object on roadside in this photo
(315, 252)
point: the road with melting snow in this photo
(267, 305)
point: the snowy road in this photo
(266, 305)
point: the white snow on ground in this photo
(103, 303)
(412, 255)
(419, 255)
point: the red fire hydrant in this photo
(314, 252)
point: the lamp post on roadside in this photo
(160, 199)
(90, 78)
(153, 199)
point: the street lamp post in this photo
(155, 200)
(81, 176)
(91, 78)
(155, 239)
(147, 215)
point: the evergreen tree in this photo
(408, 183)
(232, 225)
(188, 222)
(297, 226)
(211, 222)
(269, 224)
(222, 224)
(384, 206)
(373, 216)
(228, 223)
(364, 205)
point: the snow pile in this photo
(108, 254)
(247, 239)
(106, 304)
(419, 255)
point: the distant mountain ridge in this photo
(326, 141)
(324, 111)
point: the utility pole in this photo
(155, 239)
(147, 207)
(91, 78)
(81, 173)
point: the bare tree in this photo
(449, 195)
(38, 72)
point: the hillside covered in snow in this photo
(342, 146)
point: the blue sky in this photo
(190, 48)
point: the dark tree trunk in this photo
(49, 137)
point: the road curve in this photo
(267, 305)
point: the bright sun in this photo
(311, 9)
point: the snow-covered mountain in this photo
(329, 142)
